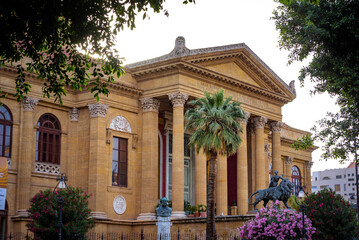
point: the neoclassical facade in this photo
(131, 148)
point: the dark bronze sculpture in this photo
(275, 179)
(281, 192)
(163, 210)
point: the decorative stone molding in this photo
(119, 204)
(120, 123)
(276, 126)
(308, 165)
(267, 148)
(29, 103)
(47, 168)
(260, 122)
(180, 48)
(134, 141)
(150, 104)
(245, 120)
(178, 99)
(108, 135)
(98, 110)
(74, 114)
(288, 160)
(292, 87)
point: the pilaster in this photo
(277, 165)
(26, 157)
(149, 188)
(98, 167)
(221, 186)
(242, 169)
(178, 100)
(73, 166)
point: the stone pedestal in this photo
(164, 228)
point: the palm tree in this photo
(215, 122)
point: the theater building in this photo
(130, 148)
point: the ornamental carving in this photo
(308, 165)
(42, 167)
(119, 204)
(74, 114)
(288, 160)
(178, 99)
(150, 104)
(29, 103)
(180, 48)
(120, 123)
(276, 127)
(260, 122)
(247, 116)
(98, 110)
(292, 87)
(134, 141)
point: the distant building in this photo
(341, 180)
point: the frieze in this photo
(178, 99)
(29, 103)
(120, 123)
(150, 104)
(98, 110)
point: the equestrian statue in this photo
(281, 192)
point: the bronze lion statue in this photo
(281, 193)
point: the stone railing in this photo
(47, 168)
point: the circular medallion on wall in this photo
(119, 204)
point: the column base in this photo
(178, 214)
(22, 213)
(146, 216)
(99, 215)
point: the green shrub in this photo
(331, 215)
(44, 215)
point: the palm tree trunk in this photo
(211, 230)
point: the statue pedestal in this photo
(164, 228)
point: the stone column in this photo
(308, 177)
(221, 186)
(149, 189)
(277, 165)
(26, 157)
(242, 170)
(178, 100)
(200, 178)
(260, 176)
(98, 160)
(288, 166)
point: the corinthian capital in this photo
(29, 103)
(259, 122)
(178, 99)
(98, 110)
(308, 165)
(150, 104)
(276, 126)
(288, 160)
(245, 120)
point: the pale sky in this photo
(210, 23)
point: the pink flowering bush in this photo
(44, 217)
(275, 223)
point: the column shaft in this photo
(200, 178)
(260, 158)
(276, 147)
(242, 174)
(221, 186)
(288, 166)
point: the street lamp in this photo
(61, 184)
(301, 194)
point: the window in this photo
(324, 186)
(295, 179)
(48, 139)
(326, 178)
(350, 179)
(345, 187)
(337, 187)
(316, 178)
(119, 162)
(338, 176)
(5, 131)
(348, 184)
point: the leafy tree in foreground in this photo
(44, 214)
(51, 33)
(331, 215)
(327, 31)
(215, 121)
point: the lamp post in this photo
(61, 184)
(301, 195)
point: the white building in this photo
(341, 180)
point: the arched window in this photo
(48, 139)
(5, 131)
(295, 175)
